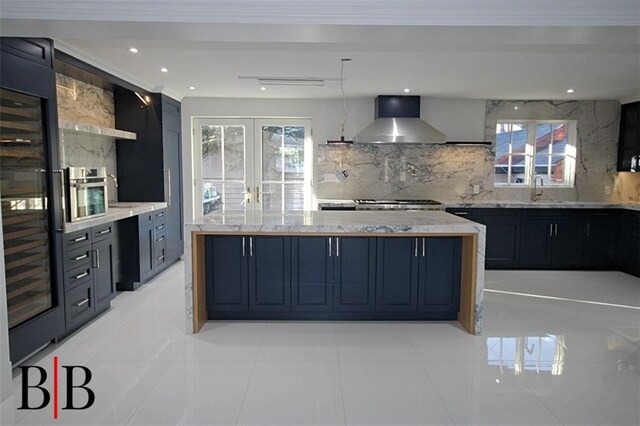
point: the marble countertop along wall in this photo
(118, 212)
(512, 204)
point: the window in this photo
(528, 150)
(247, 164)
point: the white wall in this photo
(5, 364)
(462, 120)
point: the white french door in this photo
(252, 164)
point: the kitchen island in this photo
(425, 247)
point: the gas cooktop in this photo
(368, 204)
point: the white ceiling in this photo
(458, 56)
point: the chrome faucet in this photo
(535, 194)
(115, 179)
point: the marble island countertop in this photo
(336, 223)
(410, 222)
(115, 211)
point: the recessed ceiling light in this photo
(133, 50)
(569, 90)
(192, 87)
(263, 88)
(163, 69)
(515, 107)
(407, 90)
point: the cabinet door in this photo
(629, 140)
(598, 248)
(397, 274)
(226, 280)
(146, 253)
(503, 237)
(439, 283)
(269, 273)
(534, 242)
(311, 274)
(105, 286)
(567, 242)
(354, 274)
(173, 194)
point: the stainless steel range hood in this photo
(397, 121)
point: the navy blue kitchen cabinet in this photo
(149, 168)
(629, 140)
(502, 241)
(312, 274)
(628, 242)
(320, 277)
(598, 249)
(269, 273)
(104, 254)
(554, 238)
(354, 274)
(226, 274)
(397, 274)
(439, 276)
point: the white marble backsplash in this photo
(81, 150)
(449, 172)
(84, 103)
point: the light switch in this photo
(607, 190)
(476, 189)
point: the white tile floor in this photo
(540, 361)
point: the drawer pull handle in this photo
(161, 239)
(161, 258)
(106, 231)
(80, 303)
(160, 215)
(160, 227)
(82, 275)
(461, 213)
(84, 256)
(77, 240)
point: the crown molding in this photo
(337, 12)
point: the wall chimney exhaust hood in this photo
(397, 121)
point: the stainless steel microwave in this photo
(86, 192)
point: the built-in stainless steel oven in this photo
(86, 192)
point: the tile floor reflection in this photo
(541, 361)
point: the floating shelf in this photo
(91, 129)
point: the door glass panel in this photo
(23, 180)
(272, 196)
(223, 167)
(293, 153)
(294, 196)
(272, 153)
(283, 167)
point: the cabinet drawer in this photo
(158, 216)
(77, 258)
(77, 239)
(77, 276)
(79, 304)
(159, 257)
(102, 232)
(145, 220)
(159, 228)
(159, 238)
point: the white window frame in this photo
(571, 157)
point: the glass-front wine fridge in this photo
(31, 200)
